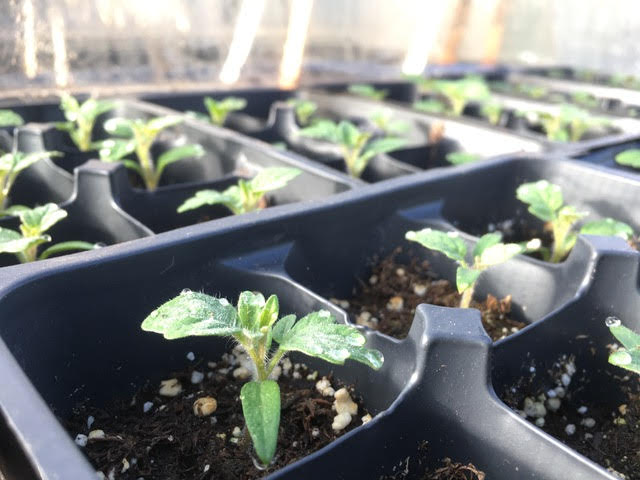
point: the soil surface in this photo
(169, 441)
(448, 470)
(388, 299)
(604, 431)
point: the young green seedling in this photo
(584, 99)
(220, 109)
(570, 123)
(11, 164)
(430, 106)
(9, 118)
(460, 158)
(383, 119)
(303, 109)
(492, 111)
(489, 251)
(546, 202)
(368, 91)
(81, 118)
(458, 92)
(254, 324)
(247, 195)
(628, 356)
(357, 147)
(34, 222)
(139, 136)
(629, 158)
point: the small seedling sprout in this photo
(254, 324)
(139, 136)
(430, 105)
(34, 223)
(489, 251)
(358, 148)
(219, 110)
(492, 111)
(584, 99)
(81, 119)
(368, 91)
(570, 123)
(247, 195)
(458, 92)
(303, 109)
(11, 164)
(627, 356)
(9, 118)
(546, 202)
(383, 119)
(461, 158)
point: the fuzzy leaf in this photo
(348, 134)
(486, 241)
(25, 160)
(249, 309)
(115, 149)
(9, 118)
(544, 199)
(70, 106)
(230, 198)
(220, 109)
(261, 411)
(36, 221)
(449, 243)
(466, 277)
(269, 313)
(430, 106)
(12, 242)
(368, 91)
(499, 253)
(282, 327)
(318, 335)
(304, 109)
(629, 158)
(157, 124)
(607, 227)
(460, 158)
(629, 356)
(120, 127)
(179, 153)
(193, 313)
(323, 130)
(272, 178)
(382, 145)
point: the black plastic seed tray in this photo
(70, 326)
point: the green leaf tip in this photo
(628, 356)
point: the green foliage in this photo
(532, 91)
(460, 158)
(629, 158)
(628, 356)
(358, 148)
(546, 202)
(11, 164)
(584, 99)
(247, 195)
(9, 118)
(81, 118)
(34, 223)
(430, 106)
(570, 123)
(254, 324)
(489, 251)
(368, 91)
(458, 92)
(608, 227)
(492, 111)
(385, 122)
(139, 136)
(220, 109)
(303, 109)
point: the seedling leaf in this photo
(193, 313)
(466, 278)
(461, 158)
(629, 356)
(9, 118)
(629, 158)
(261, 410)
(486, 241)
(449, 244)
(608, 227)
(544, 199)
(368, 91)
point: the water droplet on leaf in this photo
(612, 322)
(186, 291)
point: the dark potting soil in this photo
(170, 442)
(608, 434)
(414, 469)
(387, 299)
